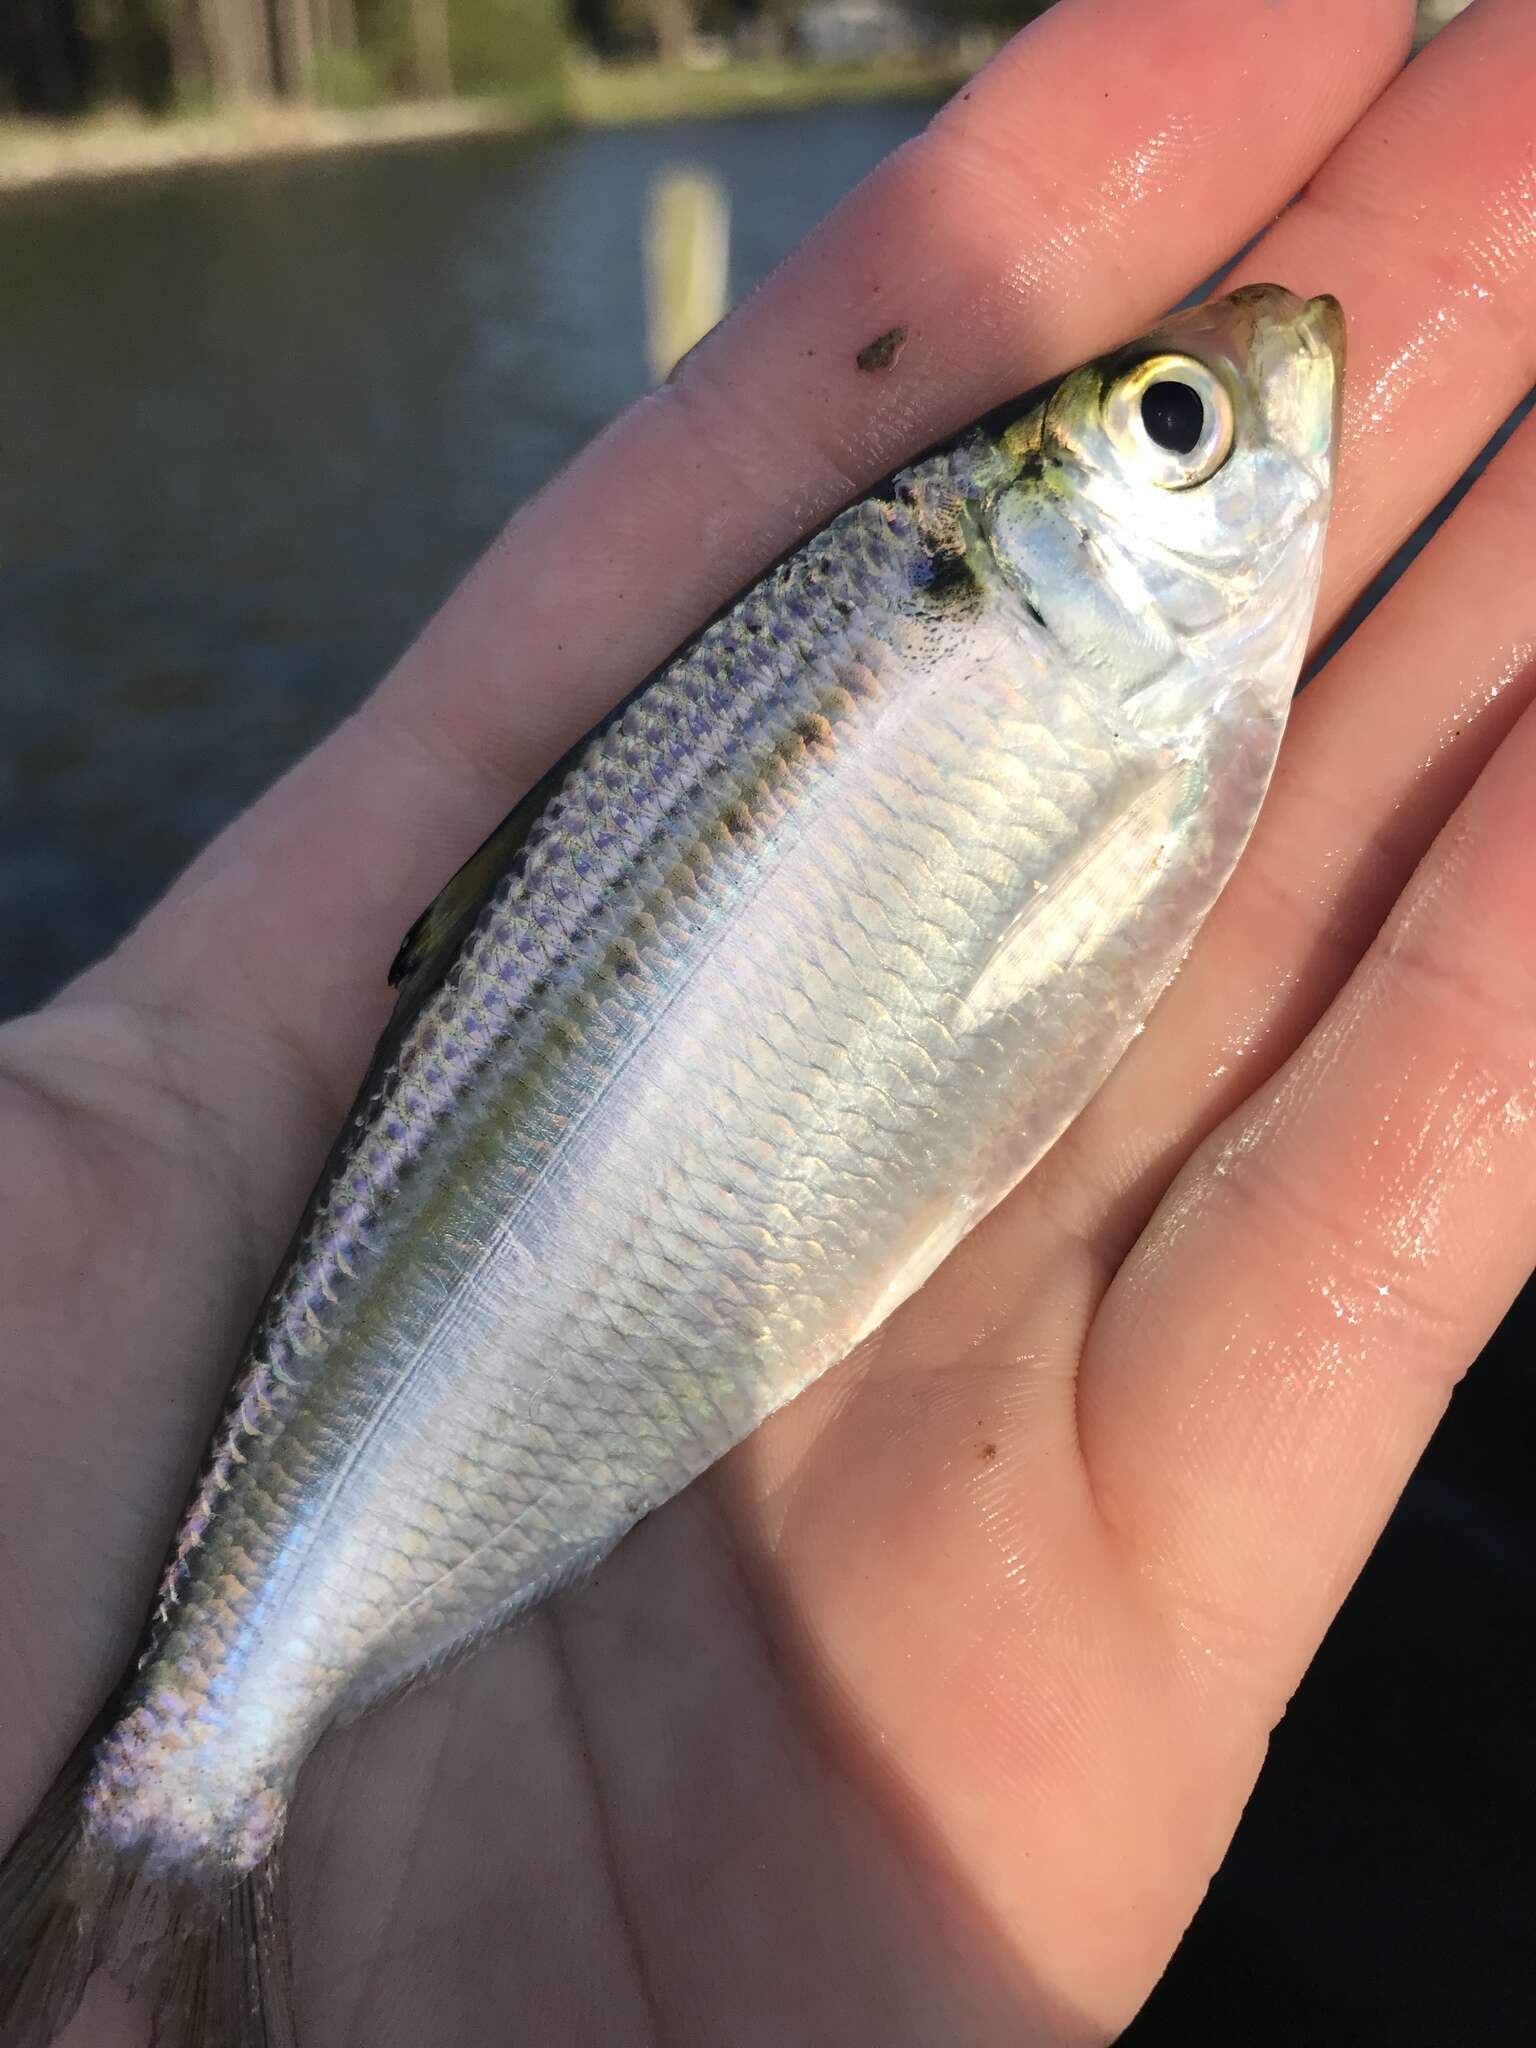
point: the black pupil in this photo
(1173, 416)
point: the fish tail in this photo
(229, 1984)
(69, 1906)
(53, 1915)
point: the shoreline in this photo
(105, 146)
(35, 154)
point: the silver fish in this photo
(772, 989)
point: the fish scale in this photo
(703, 1063)
(604, 1392)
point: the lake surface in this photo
(254, 424)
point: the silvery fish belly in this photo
(714, 1051)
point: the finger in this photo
(1272, 1359)
(1104, 162)
(1423, 222)
(1354, 806)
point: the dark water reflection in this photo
(253, 426)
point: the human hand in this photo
(927, 1716)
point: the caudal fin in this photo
(228, 1982)
(50, 1922)
(67, 1908)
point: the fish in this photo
(762, 998)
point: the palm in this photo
(929, 1714)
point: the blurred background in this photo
(302, 297)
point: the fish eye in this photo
(1170, 419)
(1173, 415)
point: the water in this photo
(254, 425)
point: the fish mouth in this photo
(1294, 350)
(1323, 320)
(1324, 317)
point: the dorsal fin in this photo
(430, 944)
(442, 927)
(428, 948)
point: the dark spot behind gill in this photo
(947, 576)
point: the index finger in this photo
(1108, 159)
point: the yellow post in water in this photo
(687, 263)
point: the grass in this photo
(613, 95)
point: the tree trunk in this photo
(131, 46)
(434, 54)
(299, 37)
(338, 20)
(672, 25)
(45, 58)
(238, 38)
(188, 49)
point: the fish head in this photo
(1164, 516)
